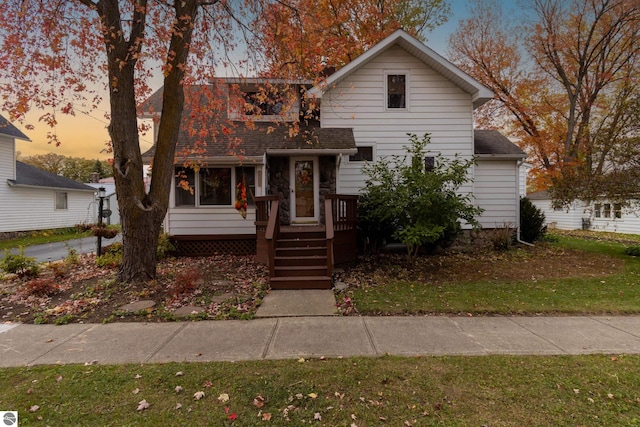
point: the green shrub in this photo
(532, 219)
(111, 256)
(165, 247)
(18, 264)
(421, 208)
(632, 251)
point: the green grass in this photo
(433, 391)
(612, 294)
(43, 237)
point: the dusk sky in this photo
(86, 135)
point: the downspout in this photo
(518, 166)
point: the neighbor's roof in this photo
(30, 176)
(6, 128)
(479, 93)
(491, 143)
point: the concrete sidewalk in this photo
(294, 337)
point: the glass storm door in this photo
(304, 190)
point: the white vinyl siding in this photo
(572, 218)
(434, 105)
(34, 209)
(496, 191)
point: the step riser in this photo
(305, 272)
(298, 252)
(302, 283)
(301, 261)
(301, 243)
(309, 235)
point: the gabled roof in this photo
(479, 93)
(30, 176)
(6, 128)
(491, 143)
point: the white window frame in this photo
(196, 187)
(407, 92)
(66, 201)
(365, 145)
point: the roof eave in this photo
(13, 183)
(501, 156)
(312, 151)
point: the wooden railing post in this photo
(329, 233)
(267, 228)
(342, 211)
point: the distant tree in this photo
(568, 83)
(75, 168)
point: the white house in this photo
(32, 199)
(361, 113)
(602, 215)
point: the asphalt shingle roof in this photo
(6, 128)
(493, 142)
(31, 176)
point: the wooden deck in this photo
(303, 256)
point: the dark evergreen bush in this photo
(532, 226)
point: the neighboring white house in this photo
(598, 216)
(366, 110)
(32, 199)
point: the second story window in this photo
(396, 90)
(263, 104)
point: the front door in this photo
(304, 190)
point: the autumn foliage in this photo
(566, 86)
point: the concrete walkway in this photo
(334, 336)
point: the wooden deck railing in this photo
(344, 216)
(267, 228)
(329, 234)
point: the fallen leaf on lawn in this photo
(258, 402)
(138, 376)
(610, 395)
(301, 360)
(34, 408)
(317, 416)
(576, 390)
(353, 417)
(340, 395)
(208, 384)
(178, 405)
(179, 374)
(178, 388)
(266, 416)
(142, 405)
(591, 400)
(59, 378)
(224, 397)
(198, 395)
(136, 391)
(312, 395)
(232, 416)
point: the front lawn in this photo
(387, 391)
(575, 275)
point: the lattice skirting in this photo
(199, 246)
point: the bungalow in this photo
(33, 199)
(302, 185)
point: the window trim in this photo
(407, 85)
(197, 184)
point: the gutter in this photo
(12, 183)
(518, 166)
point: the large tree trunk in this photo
(142, 212)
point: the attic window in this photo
(396, 90)
(263, 104)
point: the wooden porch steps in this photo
(300, 260)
